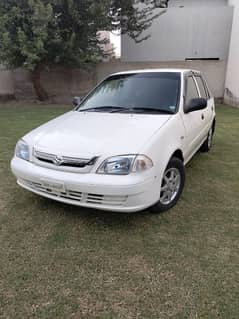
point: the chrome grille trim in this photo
(76, 196)
(64, 160)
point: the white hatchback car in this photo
(124, 147)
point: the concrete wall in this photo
(61, 83)
(214, 71)
(64, 83)
(188, 29)
(6, 83)
(232, 78)
(197, 3)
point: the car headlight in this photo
(125, 164)
(22, 150)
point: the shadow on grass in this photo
(89, 216)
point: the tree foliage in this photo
(35, 33)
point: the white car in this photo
(124, 147)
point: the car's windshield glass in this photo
(144, 92)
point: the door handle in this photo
(202, 116)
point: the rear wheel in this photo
(171, 186)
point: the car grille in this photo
(77, 196)
(65, 161)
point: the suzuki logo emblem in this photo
(58, 160)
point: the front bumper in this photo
(129, 193)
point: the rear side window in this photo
(202, 88)
(207, 89)
(191, 91)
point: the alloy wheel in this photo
(170, 185)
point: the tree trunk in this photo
(36, 81)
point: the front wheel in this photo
(171, 186)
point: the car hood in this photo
(92, 134)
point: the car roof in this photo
(156, 70)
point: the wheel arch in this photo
(214, 125)
(178, 154)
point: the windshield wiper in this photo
(102, 109)
(145, 110)
(116, 109)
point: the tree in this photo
(37, 33)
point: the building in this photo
(108, 46)
(200, 33)
(231, 94)
(189, 29)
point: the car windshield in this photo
(139, 92)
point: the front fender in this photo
(163, 144)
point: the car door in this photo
(208, 111)
(193, 121)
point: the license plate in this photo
(52, 185)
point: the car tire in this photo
(171, 187)
(207, 145)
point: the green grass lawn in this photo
(59, 261)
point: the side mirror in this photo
(76, 100)
(196, 105)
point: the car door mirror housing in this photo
(76, 100)
(195, 105)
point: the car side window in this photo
(191, 90)
(202, 89)
(207, 89)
